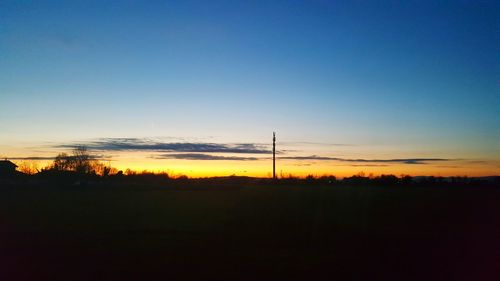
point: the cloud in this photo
(203, 150)
(369, 162)
(31, 158)
(44, 158)
(201, 156)
(315, 143)
(139, 144)
(401, 161)
(369, 165)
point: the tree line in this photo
(81, 164)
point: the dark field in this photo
(249, 233)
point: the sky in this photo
(198, 87)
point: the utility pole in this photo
(274, 155)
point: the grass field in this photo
(249, 233)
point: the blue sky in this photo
(411, 79)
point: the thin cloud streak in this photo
(38, 158)
(138, 144)
(201, 156)
(43, 158)
(369, 165)
(401, 161)
(315, 143)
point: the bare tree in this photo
(62, 162)
(79, 161)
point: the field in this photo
(249, 233)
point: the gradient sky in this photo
(349, 86)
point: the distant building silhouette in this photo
(7, 168)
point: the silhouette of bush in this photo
(386, 180)
(327, 179)
(357, 180)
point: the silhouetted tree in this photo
(406, 179)
(80, 162)
(386, 180)
(359, 179)
(310, 179)
(62, 162)
(328, 179)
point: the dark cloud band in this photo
(201, 156)
(34, 158)
(137, 144)
(201, 151)
(45, 158)
(401, 161)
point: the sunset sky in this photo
(198, 87)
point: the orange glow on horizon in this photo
(202, 168)
(139, 162)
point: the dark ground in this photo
(249, 233)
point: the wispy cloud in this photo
(201, 156)
(139, 144)
(368, 165)
(399, 160)
(38, 158)
(355, 162)
(314, 143)
(204, 150)
(45, 158)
